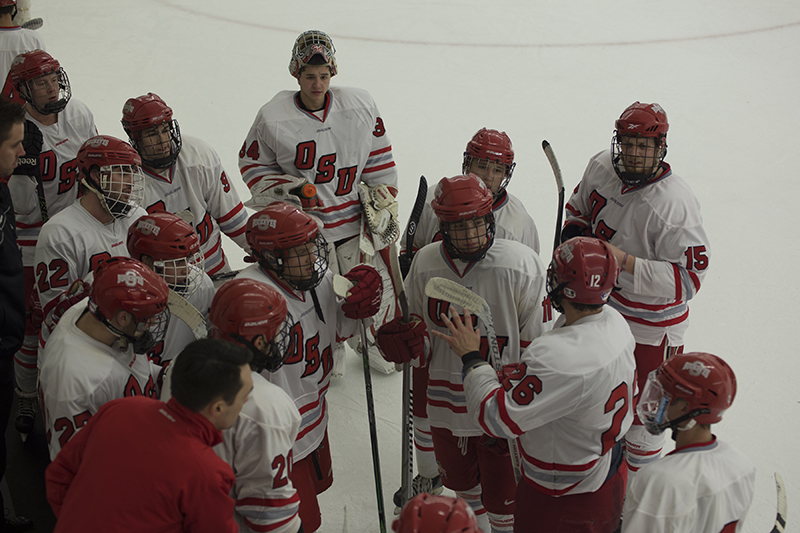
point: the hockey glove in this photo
(402, 343)
(28, 165)
(283, 188)
(364, 299)
(76, 292)
(380, 212)
(576, 227)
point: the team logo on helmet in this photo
(18, 60)
(566, 254)
(696, 369)
(265, 222)
(130, 279)
(148, 227)
(97, 142)
(657, 109)
(128, 107)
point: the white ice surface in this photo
(725, 71)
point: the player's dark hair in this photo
(586, 307)
(7, 10)
(315, 60)
(206, 370)
(10, 114)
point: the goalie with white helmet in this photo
(630, 197)
(92, 358)
(705, 484)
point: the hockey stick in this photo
(181, 308)
(222, 276)
(450, 291)
(551, 157)
(411, 229)
(780, 518)
(340, 286)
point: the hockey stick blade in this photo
(780, 518)
(551, 158)
(222, 276)
(413, 221)
(181, 308)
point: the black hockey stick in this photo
(551, 157)
(780, 518)
(222, 276)
(411, 229)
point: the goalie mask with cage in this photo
(173, 247)
(124, 284)
(700, 385)
(463, 205)
(40, 81)
(243, 310)
(111, 168)
(309, 44)
(490, 156)
(583, 271)
(287, 241)
(152, 131)
(639, 145)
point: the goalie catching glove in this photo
(380, 213)
(364, 298)
(284, 188)
(401, 342)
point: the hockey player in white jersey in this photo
(630, 197)
(171, 247)
(336, 139)
(96, 353)
(511, 277)
(490, 156)
(14, 40)
(259, 444)
(183, 172)
(705, 485)
(568, 402)
(43, 185)
(292, 257)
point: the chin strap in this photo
(673, 424)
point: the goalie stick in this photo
(780, 518)
(340, 286)
(450, 291)
(551, 157)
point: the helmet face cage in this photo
(495, 174)
(280, 348)
(468, 239)
(151, 331)
(121, 188)
(182, 275)
(55, 82)
(554, 288)
(301, 267)
(159, 145)
(309, 44)
(653, 404)
(650, 160)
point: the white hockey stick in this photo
(780, 518)
(450, 291)
(181, 308)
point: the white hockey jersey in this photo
(335, 149)
(512, 280)
(72, 244)
(198, 182)
(702, 488)
(658, 223)
(178, 334)
(79, 374)
(60, 177)
(259, 449)
(569, 401)
(306, 374)
(511, 220)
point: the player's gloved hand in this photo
(401, 342)
(405, 263)
(283, 188)
(576, 227)
(364, 299)
(76, 292)
(494, 445)
(28, 165)
(380, 211)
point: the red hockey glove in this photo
(76, 292)
(364, 298)
(400, 342)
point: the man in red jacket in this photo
(144, 465)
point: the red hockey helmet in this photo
(309, 44)
(40, 81)
(242, 310)
(583, 271)
(426, 513)
(637, 121)
(706, 382)
(490, 152)
(173, 246)
(464, 203)
(280, 235)
(141, 118)
(124, 284)
(121, 182)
